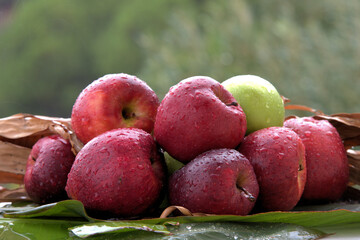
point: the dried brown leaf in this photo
(23, 125)
(348, 126)
(7, 177)
(354, 165)
(302, 108)
(13, 158)
(285, 99)
(183, 211)
(18, 133)
(7, 195)
(25, 129)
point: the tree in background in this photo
(309, 50)
(53, 49)
(50, 50)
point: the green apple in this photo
(261, 102)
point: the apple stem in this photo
(247, 194)
(301, 167)
(232, 104)
(127, 113)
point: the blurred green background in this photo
(51, 50)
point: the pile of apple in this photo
(237, 150)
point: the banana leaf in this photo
(75, 222)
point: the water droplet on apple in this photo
(96, 196)
(307, 133)
(140, 166)
(52, 182)
(104, 151)
(329, 134)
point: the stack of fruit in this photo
(236, 148)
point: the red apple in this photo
(48, 165)
(327, 163)
(278, 157)
(220, 181)
(119, 172)
(196, 115)
(114, 101)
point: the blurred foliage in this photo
(309, 50)
(51, 50)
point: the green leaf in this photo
(21, 229)
(17, 206)
(334, 215)
(172, 164)
(355, 207)
(223, 230)
(230, 230)
(24, 229)
(297, 222)
(116, 226)
(62, 209)
(342, 231)
(307, 219)
(321, 215)
(10, 186)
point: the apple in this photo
(114, 101)
(327, 163)
(196, 115)
(261, 102)
(278, 157)
(219, 181)
(47, 167)
(120, 172)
